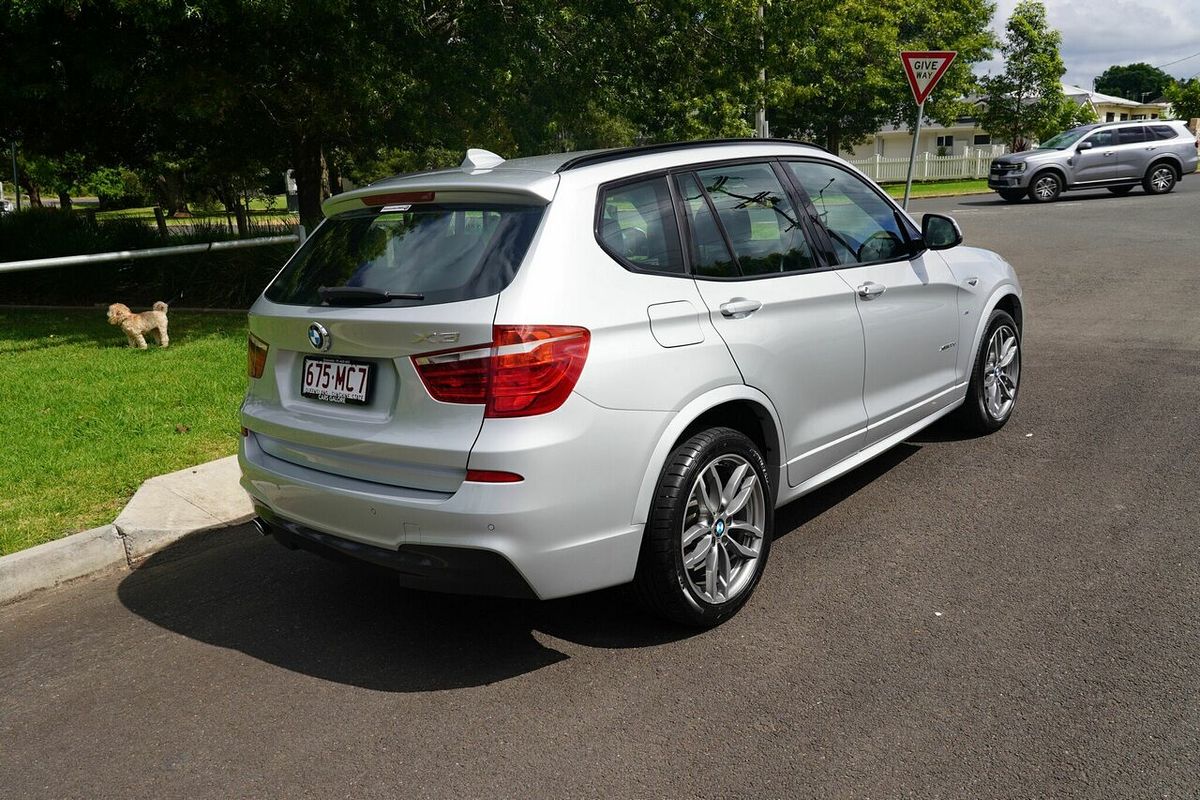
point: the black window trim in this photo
(598, 224)
(915, 247)
(812, 237)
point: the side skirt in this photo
(790, 493)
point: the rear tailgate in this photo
(340, 392)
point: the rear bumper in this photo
(567, 528)
(430, 568)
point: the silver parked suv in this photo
(1114, 155)
(549, 375)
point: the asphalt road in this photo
(1011, 616)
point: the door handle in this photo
(740, 307)
(1109, 153)
(870, 290)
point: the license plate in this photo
(337, 380)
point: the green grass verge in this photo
(86, 418)
(939, 188)
(260, 210)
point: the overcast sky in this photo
(1097, 34)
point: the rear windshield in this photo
(445, 252)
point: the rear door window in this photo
(637, 226)
(446, 252)
(758, 219)
(710, 252)
(1132, 134)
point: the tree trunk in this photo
(64, 201)
(308, 173)
(239, 213)
(31, 189)
(833, 139)
(170, 190)
(334, 176)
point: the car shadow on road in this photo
(353, 625)
(1070, 197)
(799, 512)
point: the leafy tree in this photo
(1026, 100)
(834, 70)
(1070, 115)
(1184, 97)
(1135, 82)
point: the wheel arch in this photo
(1167, 158)
(1006, 299)
(740, 407)
(1057, 170)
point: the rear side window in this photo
(1131, 135)
(1161, 132)
(862, 226)
(447, 253)
(637, 226)
(758, 219)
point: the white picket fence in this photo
(973, 163)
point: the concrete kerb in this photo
(163, 510)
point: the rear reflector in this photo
(393, 198)
(526, 370)
(492, 476)
(256, 356)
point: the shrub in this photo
(222, 279)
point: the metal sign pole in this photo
(912, 156)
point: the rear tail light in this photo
(526, 370)
(256, 356)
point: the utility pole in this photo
(16, 186)
(760, 117)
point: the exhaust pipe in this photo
(261, 526)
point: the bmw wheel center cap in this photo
(720, 527)
(318, 337)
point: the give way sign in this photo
(925, 68)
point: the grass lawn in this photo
(86, 418)
(939, 188)
(260, 210)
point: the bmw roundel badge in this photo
(318, 337)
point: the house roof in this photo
(1079, 94)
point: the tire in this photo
(1045, 187)
(990, 403)
(1011, 195)
(1160, 178)
(1120, 190)
(687, 522)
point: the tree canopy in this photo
(1138, 82)
(1026, 101)
(222, 94)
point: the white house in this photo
(966, 136)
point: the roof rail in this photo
(616, 153)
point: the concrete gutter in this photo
(164, 510)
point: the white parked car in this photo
(550, 375)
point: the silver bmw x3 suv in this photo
(549, 375)
(1114, 156)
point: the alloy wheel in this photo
(722, 535)
(1162, 179)
(1001, 372)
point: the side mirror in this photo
(1085, 146)
(940, 232)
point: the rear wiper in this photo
(361, 296)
